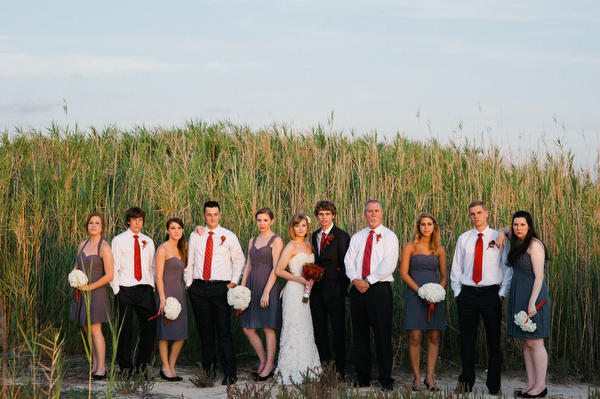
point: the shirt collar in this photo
(378, 229)
(216, 230)
(328, 229)
(487, 232)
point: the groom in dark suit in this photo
(328, 297)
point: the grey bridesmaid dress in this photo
(422, 269)
(176, 329)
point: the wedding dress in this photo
(297, 348)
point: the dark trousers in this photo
(472, 304)
(335, 310)
(209, 302)
(138, 299)
(373, 310)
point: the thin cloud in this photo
(30, 107)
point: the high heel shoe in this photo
(164, 377)
(259, 378)
(431, 389)
(98, 377)
(254, 375)
(539, 395)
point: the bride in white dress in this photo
(297, 348)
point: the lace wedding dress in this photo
(297, 348)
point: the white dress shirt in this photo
(384, 255)
(493, 268)
(320, 236)
(228, 260)
(123, 249)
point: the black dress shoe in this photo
(229, 380)
(387, 387)
(254, 375)
(539, 395)
(164, 377)
(431, 389)
(495, 393)
(259, 378)
(99, 377)
(359, 384)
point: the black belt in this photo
(211, 282)
(481, 287)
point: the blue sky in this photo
(511, 72)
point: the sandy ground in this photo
(75, 379)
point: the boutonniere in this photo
(223, 238)
(378, 237)
(491, 244)
(144, 243)
(328, 238)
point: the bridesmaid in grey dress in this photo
(528, 256)
(170, 262)
(421, 260)
(94, 257)
(259, 276)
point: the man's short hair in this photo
(133, 213)
(210, 204)
(477, 203)
(325, 205)
(372, 202)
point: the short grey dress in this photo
(518, 299)
(261, 261)
(173, 285)
(422, 269)
(100, 309)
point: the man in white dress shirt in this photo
(370, 261)
(215, 265)
(133, 284)
(480, 280)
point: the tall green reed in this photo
(50, 181)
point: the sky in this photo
(520, 74)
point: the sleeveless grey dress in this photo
(422, 269)
(518, 299)
(261, 261)
(100, 309)
(176, 329)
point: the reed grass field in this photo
(51, 180)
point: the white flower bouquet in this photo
(432, 293)
(523, 320)
(77, 279)
(172, 308)
(239, 298)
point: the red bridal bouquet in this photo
(311, 271)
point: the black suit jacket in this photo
(335, 282)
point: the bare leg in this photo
(98, 349)
(94, 365)
(414, 354)
(163, 348)
(257, 344)
(175, 349)
(539, 359)
(529, 367)
(433, 348)
(271, 338)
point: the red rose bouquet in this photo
(311, 271)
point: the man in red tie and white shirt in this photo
(215, 265)
(370, 261)
(133, 284)
(480, 280)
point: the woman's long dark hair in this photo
(518, 246)
(181, 244)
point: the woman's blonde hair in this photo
(296, 219)
(435, 241)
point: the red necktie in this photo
(323, 237)
(478, 259)
(208, 257)
(366, 270)
(137, 262)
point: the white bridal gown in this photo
(297, 348)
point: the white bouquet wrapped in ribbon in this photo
(77, 278)
(172, 308)
(522, 320)
(432, 292)
(239, 298)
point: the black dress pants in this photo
(209, 302)
(138, 299)
(373, 310)
(472, 303)
(335, 310)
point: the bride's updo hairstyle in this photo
(296, 219)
